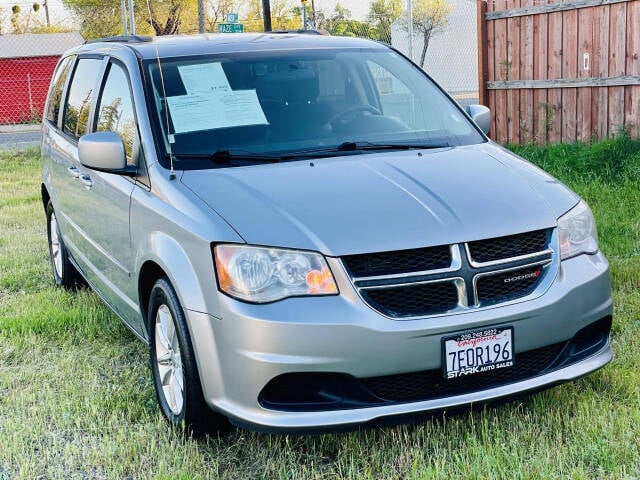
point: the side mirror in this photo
(481, 115)
(104, 151)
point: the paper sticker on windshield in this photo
(242, 107)
(194, 112)
(191, 113)
(204, 78)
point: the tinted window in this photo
(115, 110)
(76, 113)
(55, 91)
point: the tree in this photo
(328, 22)
(30, 20)
(109, 116)
(15, 19)
(215, 11)
(159, 17)
(382, 13)
(340, 23)
(285, 15)
(166, 17)
(429, 18)
(23, 22)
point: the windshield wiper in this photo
(388, 146)
(361, 146)
(226, 157)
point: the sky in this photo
(358, 8)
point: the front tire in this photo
(173, 364)
(64, 273)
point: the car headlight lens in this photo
(577, 232)
(260, 274)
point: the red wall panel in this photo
(23, 87)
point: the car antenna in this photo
(172, 173)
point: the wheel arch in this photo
(150, 272)
(164, 256)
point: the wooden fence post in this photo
(483, 70)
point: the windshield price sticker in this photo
(477, 352)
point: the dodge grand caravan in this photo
(309, 233)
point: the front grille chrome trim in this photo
(411, 284)
(456, 264)
(459, 283)
(465, 273)
(502, 261)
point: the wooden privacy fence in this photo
(560, 71)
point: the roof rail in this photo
(122, 39)
(309, 32)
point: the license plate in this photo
(476, 352)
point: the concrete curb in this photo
(26, 127)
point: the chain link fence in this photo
(27, 60)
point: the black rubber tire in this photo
(69, 278)
(196, 418)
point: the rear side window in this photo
(115, 111)
(84, 81)
(55, 91)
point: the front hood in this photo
(385, 201)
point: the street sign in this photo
(231, 18)
(230, 28)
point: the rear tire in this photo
(64, 273)
(174, 368)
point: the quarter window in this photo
(55, 92)
(84, 80)
(115, 111)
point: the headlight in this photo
(260, 274)
(577, 232)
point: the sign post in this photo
(230, 24)
(304, 14)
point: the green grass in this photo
(76, 399)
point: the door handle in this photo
(86, 181)
(73, 171)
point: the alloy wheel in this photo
(169, 359)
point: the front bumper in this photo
(252, 344)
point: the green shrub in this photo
(613, 160)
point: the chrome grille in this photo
(458, 277)
(401, 261)
(503, 285)
(413, 300)
(495, 249)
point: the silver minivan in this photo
(309, 233)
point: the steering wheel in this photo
(344, 117)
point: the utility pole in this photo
(123, 7)
(410, 27)
(132, 18)
(304, 14)
(266, 15)
(200, 17)
(45, 4)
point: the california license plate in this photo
(478, 351)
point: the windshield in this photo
(282, 102)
